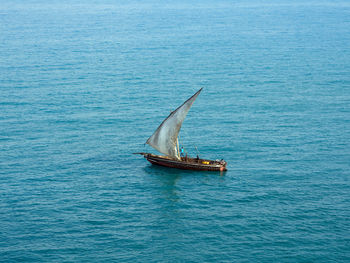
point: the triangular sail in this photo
(165, 137)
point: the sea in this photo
(84, 84)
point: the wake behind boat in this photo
(165, 140)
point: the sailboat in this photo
(165, 140)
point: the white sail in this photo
(165, 137)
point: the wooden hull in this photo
(186, 163)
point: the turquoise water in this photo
(84, 84)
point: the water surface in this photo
(83, 85)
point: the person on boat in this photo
(182, 152)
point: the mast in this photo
(178, 148)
